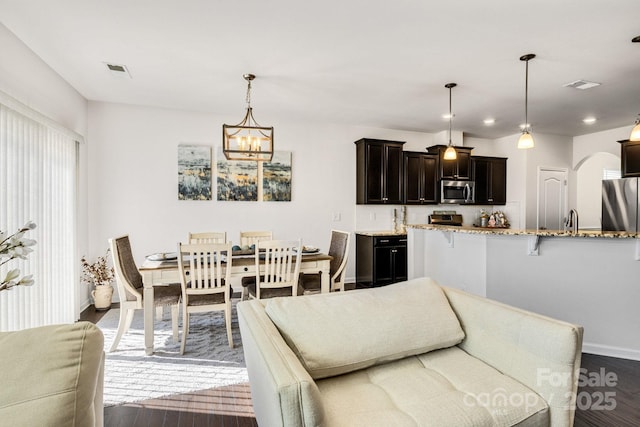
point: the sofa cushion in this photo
(336, 333)
(51, 376)
(442, 388)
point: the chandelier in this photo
(247, 140)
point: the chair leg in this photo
(175, 313)
(244, 295)
(124, 323)
(159, 312)
(185, 329)
(227, 316)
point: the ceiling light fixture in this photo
(247, 140)
(489, 122)
(450, 152)
(526, 140)
(589, 120)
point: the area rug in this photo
(208, 362)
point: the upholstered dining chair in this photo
(338, 250)
(279, 261)
(248, 238)
(209, 237)
(205, 270)
(130, 292)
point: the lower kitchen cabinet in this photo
(381, 259)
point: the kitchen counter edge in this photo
(527, 232)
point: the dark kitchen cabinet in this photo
(490, 175)
(630, 158)
(379, 171)
(420, 178)
(458, 169)
(381, 260)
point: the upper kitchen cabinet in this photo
(379, 171)
(630, 156)
(490, 174)
(458, 169)
(420, 178)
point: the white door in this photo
(552, 198)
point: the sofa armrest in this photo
(282, 391)
(538, 351)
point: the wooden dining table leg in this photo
(148, 319)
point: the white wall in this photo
(25, 77)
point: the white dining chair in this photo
(338, 250)
(205, 272)
(248, 238)
(129, 285)
(277, 270)
(208, 237)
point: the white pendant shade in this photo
(635, 132)
(450, 153)
(525, 141)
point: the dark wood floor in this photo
(599, 405)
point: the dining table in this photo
(162, 272)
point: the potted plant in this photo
(100, 275)
(14, 246)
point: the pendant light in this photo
(450, 152)
(248, 140)
(635, 132)
(526, 140)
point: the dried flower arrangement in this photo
(98, 272)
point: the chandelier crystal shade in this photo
(247, 140)
(450, 153)
(526, 140)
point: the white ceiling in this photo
(361, 62)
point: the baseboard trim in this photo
(611, 351)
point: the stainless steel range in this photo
(450, 218)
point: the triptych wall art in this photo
(235, 180)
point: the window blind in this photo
(38, 174)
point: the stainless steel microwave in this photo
(457, 192)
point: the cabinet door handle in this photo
(489, 200)
(384, 241)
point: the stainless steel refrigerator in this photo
(620, 205)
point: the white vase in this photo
(102, 296)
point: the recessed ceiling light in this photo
(446, 116)
(118, 70)
(589, 120)
(489, 122)
(525, 125)
(581, 84)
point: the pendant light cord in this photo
(450, 116)
(526, 97)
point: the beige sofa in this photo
(409, 354)
(52, 376)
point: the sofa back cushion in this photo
(336, 333)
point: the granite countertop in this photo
(382, 233)
(527, 232)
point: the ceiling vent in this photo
(581, 84)
(117, 70)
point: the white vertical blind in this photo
(38, 172)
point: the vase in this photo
(102, 296)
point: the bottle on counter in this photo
(484, 218)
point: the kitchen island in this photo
(590, 277)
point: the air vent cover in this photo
(581, 84)
(118, 70)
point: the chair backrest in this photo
(249, 238)
(281, 266)
(210, 237)
(128, 278)
(338, 250)
(204, 267)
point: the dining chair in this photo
(248, 238)
(210, 237)
(130, 292)
(205, 272)
(277, 270)
(338, 250)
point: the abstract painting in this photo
(276, 178)
(194, 172)
(236, 179)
